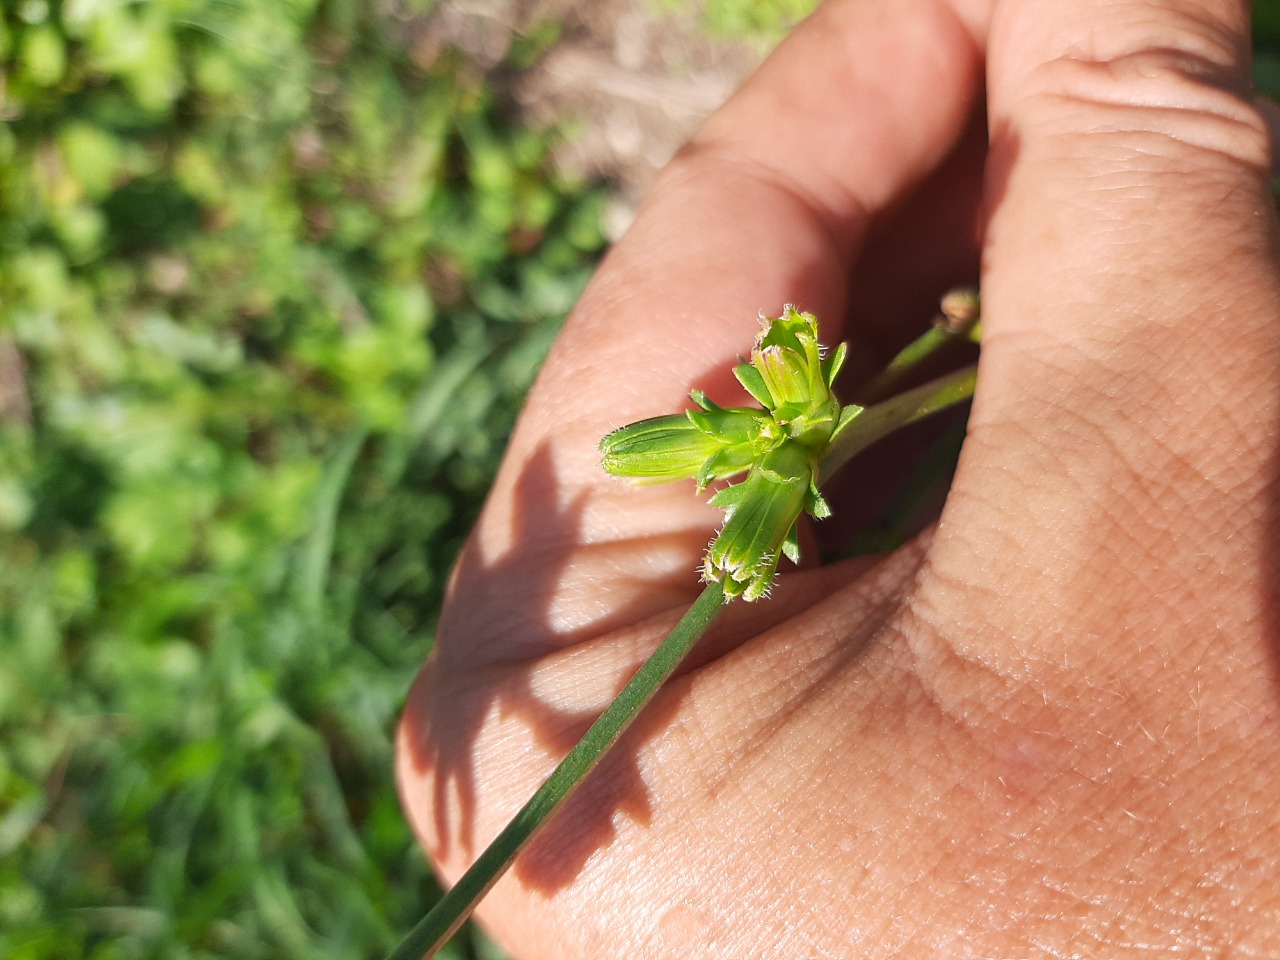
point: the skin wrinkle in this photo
(1128, 239)
(1047, 685)
(1161, 77)
(1193, 847)
(1033, 868)
(1159, 133)
(709, 771)
(775, 716)
(1151, 498)
(1121, 32)
(1068, 360)
(1119, 449)
(933, 665)
(1117, 208)
(984, 694)
(1107, 918)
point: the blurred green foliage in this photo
(273, 280)
(763, 22)
(760, 20)
(1266, 46)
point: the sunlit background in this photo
(274, 277)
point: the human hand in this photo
(1050, 726)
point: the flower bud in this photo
(760, 521)
(660, 448)
(787, 375)
(778, 447)
(713, 443)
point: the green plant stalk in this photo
(855, 432)
(452, 910)
(959, 318)
(900, 367)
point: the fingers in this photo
(1124, 147)
(768, 205)
(1121, 442)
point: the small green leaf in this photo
(791, 545)
(759, 517)
(834, 363)
(729, 462)
(754, 384)
(846, 417)
(733, 425)
(816, 505)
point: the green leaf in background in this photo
(1266, 46)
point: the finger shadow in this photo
(461, 690)
(918, 251)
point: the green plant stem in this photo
(887, 381)
(452, 910)
(855, 433)
(959, 317)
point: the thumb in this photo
(1122, 436)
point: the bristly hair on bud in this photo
(777, 445)
(789, 377)
(760, 522)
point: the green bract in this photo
(710, 443)
(788, 376)
(760, 521)
(778, 447)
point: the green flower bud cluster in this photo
(778, 447)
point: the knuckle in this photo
(1167, 105)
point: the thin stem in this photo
(916, 352)
(957, 317)
(858, 432)
(444, 919)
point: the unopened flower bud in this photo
(760, 521)
(788, 376)
(712, 443)
(660, 448)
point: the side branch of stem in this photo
(876, 422)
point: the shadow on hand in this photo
(509, 597)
